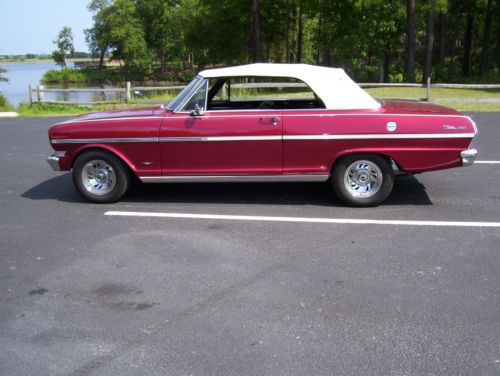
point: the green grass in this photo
(410, 92)
(471, 107)
(49, 109)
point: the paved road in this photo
(84, 293)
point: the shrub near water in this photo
(4, 104)
(90, 75)
(63, 76)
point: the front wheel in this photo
(100, 176)
(362, 179)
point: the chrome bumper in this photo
(53, 160)
(468, 156)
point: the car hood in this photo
(411, 107)
(119, 113)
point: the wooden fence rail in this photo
(129, 90)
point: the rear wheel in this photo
(100, 176)
(362, 179)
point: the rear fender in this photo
(413, 160)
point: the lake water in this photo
(20, 75)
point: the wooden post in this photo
(30, 94)
(40, 93)
(128, 92)
(428, 95)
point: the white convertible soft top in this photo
(332, 85)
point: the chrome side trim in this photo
(182, 139)
(220, 138)
(377, 136)
(103, 140)
(233, 178)
(208, 115)
(382, 114)
(468, 156)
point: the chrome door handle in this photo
(274, 120)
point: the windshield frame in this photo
(185, 93)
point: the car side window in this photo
(198, 99)
(260, 93)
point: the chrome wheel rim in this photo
(363, 179)
(98, 177)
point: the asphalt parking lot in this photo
(87, 293)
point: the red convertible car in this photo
(264, 123)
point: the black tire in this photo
(100, 176)
(362, 179)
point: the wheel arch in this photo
(88, 148)
(346, 153)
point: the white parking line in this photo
(487, 162)
(303, 219)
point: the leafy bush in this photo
(4, 103)
(63, 76)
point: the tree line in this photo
(374, 40)
(31, 56)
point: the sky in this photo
(30, 26)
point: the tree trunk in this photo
(327, 57)
(442, 39)
(101, 58)
(467, 45)
(64, 61)
(429, 44)
(163, 62)
(287, 32)
(257, 40)
(483, 66)
(387, 63)
(452, 58)
(410, 41)
(300, 33)
(368, 63)
(319, 33)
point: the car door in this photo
(236, 142)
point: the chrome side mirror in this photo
(197, 111)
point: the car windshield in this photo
(181, 96)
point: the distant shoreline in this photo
(12, 61)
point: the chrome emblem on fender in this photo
(454, 127)
(392, 126)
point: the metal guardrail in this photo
(128, 90)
